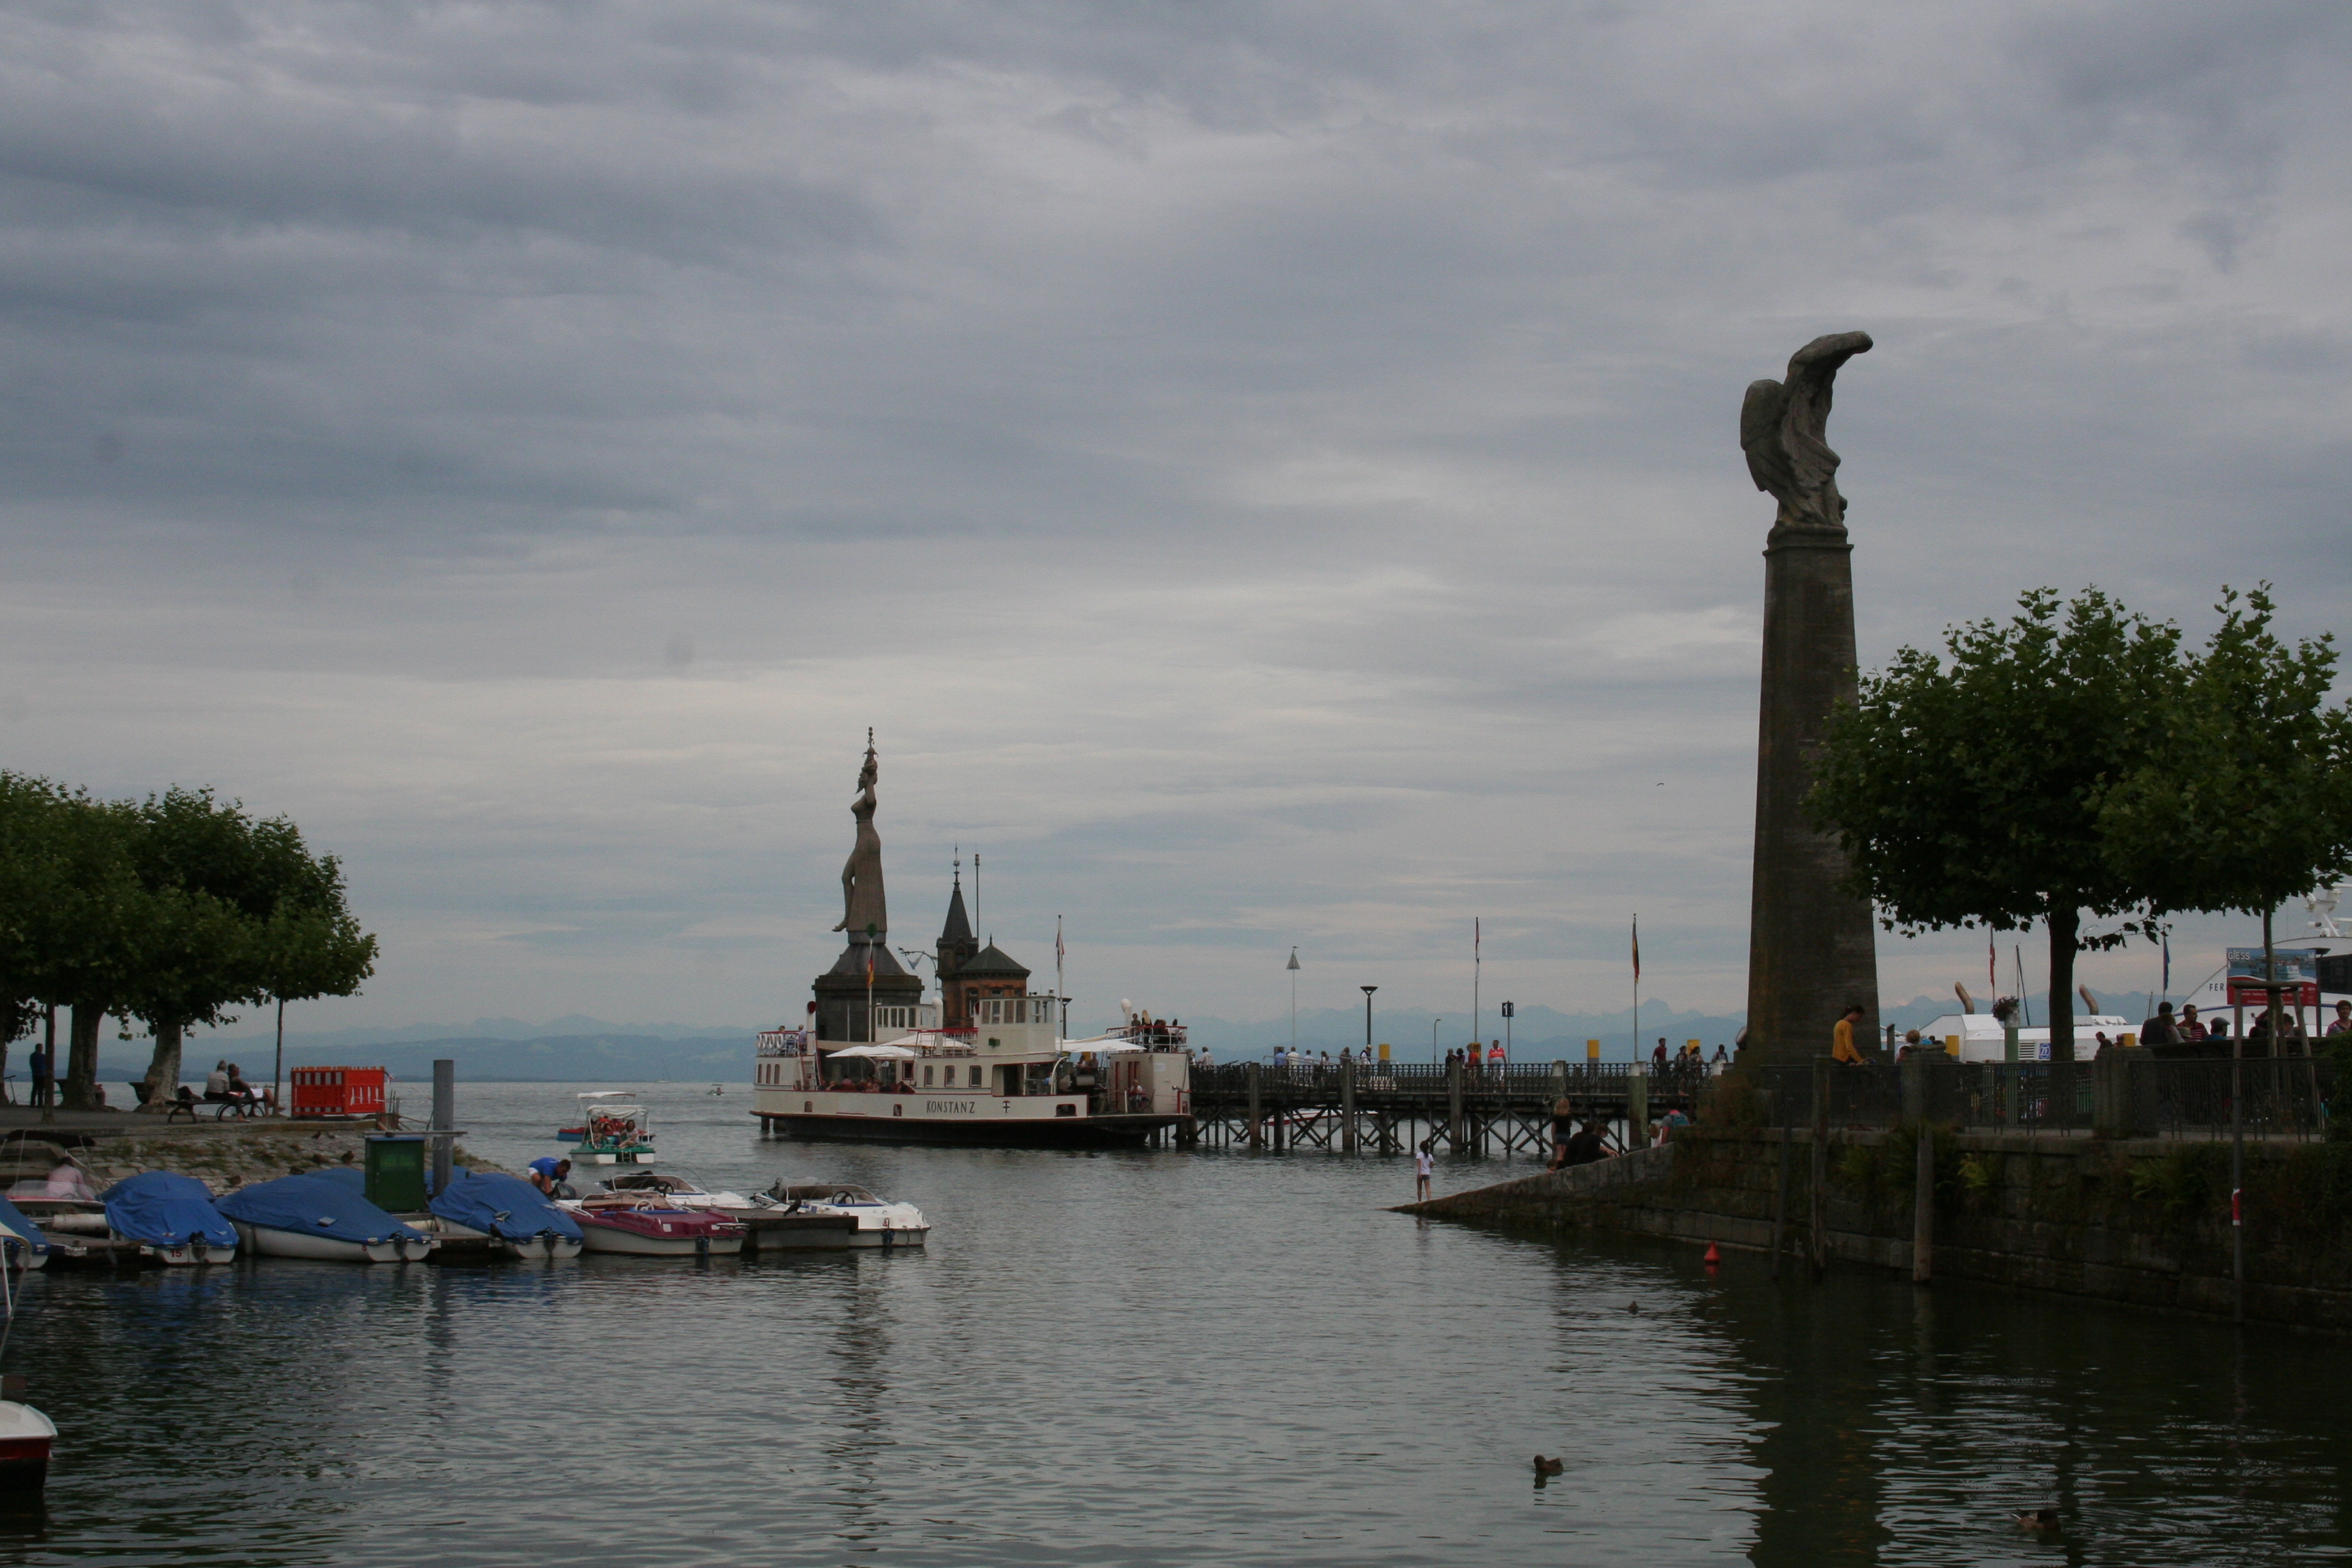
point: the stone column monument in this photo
(1811, 949)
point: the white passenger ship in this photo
(985, 1063)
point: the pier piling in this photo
(1347, 1107)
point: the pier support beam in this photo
(1454, 1129)
(1347, 1107)
(1257, 1126)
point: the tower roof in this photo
(992, 960)
(958, 928)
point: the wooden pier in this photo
(1384, 1107)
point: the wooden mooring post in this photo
(1256, 1121)
(1637, 1107)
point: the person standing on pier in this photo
(44, 1081)
(1842, 1046)
(1422, 1168)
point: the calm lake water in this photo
(1157, 1358)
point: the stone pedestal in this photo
(1810, 947)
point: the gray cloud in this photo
(1267, 472)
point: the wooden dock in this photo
(1383, 1107)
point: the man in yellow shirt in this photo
(1842, 1048)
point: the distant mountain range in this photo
(580, 1049)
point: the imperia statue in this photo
(864, 916)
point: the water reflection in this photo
(1150, 1359)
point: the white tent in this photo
(1101, 1045)
(883, 1053)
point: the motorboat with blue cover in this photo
(22, 1245)
(507, 1210)
(169, 1216)
(313, 1215)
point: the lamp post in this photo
(1433, 1040)
(1368, 991)
(1293, 967)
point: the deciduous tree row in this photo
(171, 911)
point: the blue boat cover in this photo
(13, 1219)
(315, 1205)
(161, 1209)
(501, 1204)
(350, 1177)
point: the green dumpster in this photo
(395, 1173)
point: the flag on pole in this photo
(1992, 966)
(1059, 950)
(2168, 963)
(1637, 947)
(1475, 937)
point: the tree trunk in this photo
(162, 1078)
(81, 1057)
(2065, 930)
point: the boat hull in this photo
(188, 1253)
(765, 1231)
(24, 1438)
(270, 1241)
(892, 1240)
(614, 1239)
(1020, 1132)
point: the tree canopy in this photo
(172, 911)
(2073, 764)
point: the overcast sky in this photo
(1268, 474)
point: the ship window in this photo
(975, 1075)
(926, 1075)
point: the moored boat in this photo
(172, 1217)
(26, 1438)
(634, 1230)
(22, 1245)
(318, 1216)
(768, 1224)
(880, 1222)
(508, 1213)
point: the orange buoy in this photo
(1713, 1256)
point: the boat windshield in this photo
(827, 1193)
(652, 1181)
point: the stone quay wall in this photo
(2144, 1221)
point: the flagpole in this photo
(1637, 986)
(1475, 937)
(1060, 1005)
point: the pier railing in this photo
(2128, 1094)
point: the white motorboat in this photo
(880, 1222)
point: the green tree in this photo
(73, 914)
(2251, 803)
(240, 912)
(1977, 791)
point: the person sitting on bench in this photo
(216, 1084)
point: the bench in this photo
(186, 1103)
